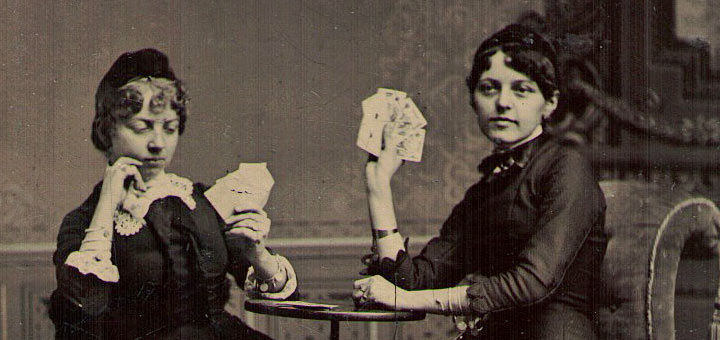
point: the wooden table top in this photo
(343, 312)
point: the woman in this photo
(146, 256)
(522, 249)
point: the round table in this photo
(340, 313)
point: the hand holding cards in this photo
(248, 186)
(404, 120)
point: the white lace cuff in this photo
(94, 262)
(253, 286)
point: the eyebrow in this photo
(155, 120)
(525, 81)
(513, 82)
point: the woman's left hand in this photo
(378, 290)
(252, 225)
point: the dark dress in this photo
(172, 283)
(528, 239)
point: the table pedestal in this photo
(334, 330)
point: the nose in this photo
(157, 142)
(504, 100)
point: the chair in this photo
(647, 228)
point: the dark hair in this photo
(114, 103)
(529, 53)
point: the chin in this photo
(150, 173)
(501, 138)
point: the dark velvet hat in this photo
(131, 65)
(524, 36)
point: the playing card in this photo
(413, 114)
(411, 144)
(393, 109)
(375, 108)
(390, 93)
(376, 112)
(370, 136)
(405, 121)
(248, 186)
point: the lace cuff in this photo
(94, 262)
(253, 286)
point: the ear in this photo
(550, 105)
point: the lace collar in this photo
(131, 216)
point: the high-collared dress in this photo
(172, 273)
(527, 238)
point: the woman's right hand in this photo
(468, 324)
(114, 180)
(379, 170)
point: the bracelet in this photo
(378, 234)
(265, 285)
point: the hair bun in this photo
(522, 35)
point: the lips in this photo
(502, 121)
(154, 162)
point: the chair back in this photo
(647, 228)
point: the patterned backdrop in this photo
(425, 49)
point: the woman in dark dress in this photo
(146, 255)
(522, 250)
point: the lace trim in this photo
(252, 284)
(126, 224)
(94, 262)
(131, 217)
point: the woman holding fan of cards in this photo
(146, 255)
(517, 257)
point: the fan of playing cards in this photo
(406, 122)
(248, 186)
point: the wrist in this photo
(380, 187)
(266, 283)
(256, 253)
(108, 202)
(415, 300)
(381, 191)
(279, 286)
(382, 213)
(382, 232)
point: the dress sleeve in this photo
(571, 203)
(439, 265)
(79, 298)
(238, 264)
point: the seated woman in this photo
(146, 255)
(522, 249)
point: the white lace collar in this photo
(137, 203)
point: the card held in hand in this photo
(248, 187)
(395, 111)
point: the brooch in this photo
(126, 224)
